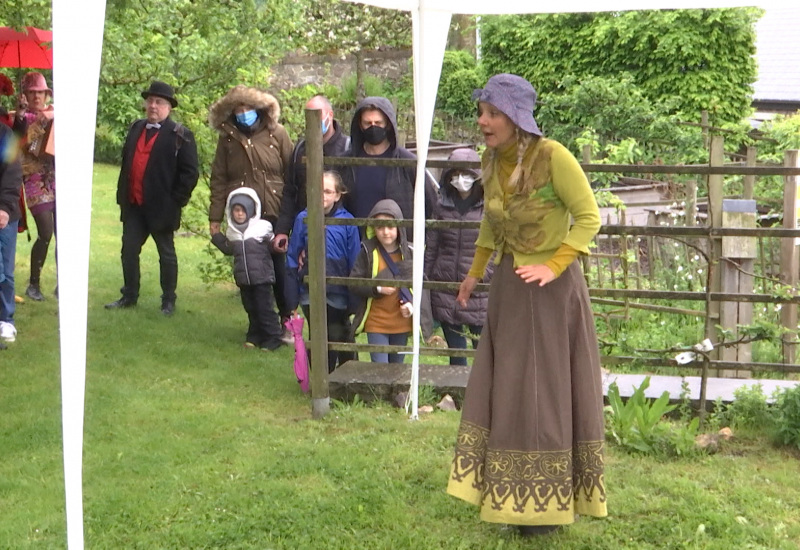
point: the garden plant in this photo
(193, 442)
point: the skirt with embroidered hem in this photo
(530, 445)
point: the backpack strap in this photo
(405, 294)
(180, 132)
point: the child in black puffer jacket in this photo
(249, 240)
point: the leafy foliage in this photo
(749, 410)
(696, 59)
(638, 423)
(200, 47)
(330, 26)
(625, 126)
(461, 75)
(788, 417)
(780, 134)
(21, 13)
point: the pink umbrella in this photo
(295, 326)
(26, 49)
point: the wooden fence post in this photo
(704, 128)
(651, 248)
(318, 328)
(691, 203)
(735, 278)
(749, 181)
(586, 154)
(748, 265)
(716, 158)
(789, 255)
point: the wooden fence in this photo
(616, 273)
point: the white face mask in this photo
(462, 183)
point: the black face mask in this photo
(375, 135)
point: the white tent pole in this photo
(77, 46)
(430, 29)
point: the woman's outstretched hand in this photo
(465, 290)
(533, 273)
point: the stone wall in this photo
(298, 70)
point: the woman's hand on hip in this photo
(465, 290)
(533, 273)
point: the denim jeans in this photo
(457, 339)
(8, 254)
(378, 339)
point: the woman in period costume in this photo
(38, 170)
(530, 445)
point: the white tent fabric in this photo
(77, 41)
(77, 47)
(431, 20)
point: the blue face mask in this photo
(247, 118)
(325, 127)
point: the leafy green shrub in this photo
(615, 117)
(460, 76)
(749, 410)
(373, 86)
(781, 134)
(293, 102)
(787, 420)
(427, 395)
(639, 425)
(703, 59)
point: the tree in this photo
(18, 14)
(201, 47)
(703, 59)
(331, 26)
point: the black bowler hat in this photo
(161, 89)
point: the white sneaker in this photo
(8, 332)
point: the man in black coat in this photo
(159, 172)
(10, 185)
(334, 144)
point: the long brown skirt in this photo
(531, 440)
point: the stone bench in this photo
(384, 381)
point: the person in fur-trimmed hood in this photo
(248, 239)
(254, 150)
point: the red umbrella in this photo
(26, 49)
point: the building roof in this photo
(778, 55)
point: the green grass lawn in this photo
(191, 441)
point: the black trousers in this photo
(338, 331)
(279, 265)
(265, 328)
(135, 232)
(45, 229)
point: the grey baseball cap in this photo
(514, 96)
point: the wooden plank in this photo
(320, 397)
(789, 255)
(715, 192)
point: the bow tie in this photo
(150, 126)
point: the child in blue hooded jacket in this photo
(342, 244)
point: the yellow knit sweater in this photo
(532, 221)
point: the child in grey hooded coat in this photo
(249, 240)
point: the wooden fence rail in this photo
(706, 238)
